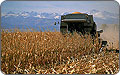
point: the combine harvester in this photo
(80, 23)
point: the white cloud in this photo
(24, 14)
(99, 15)
(39, 16)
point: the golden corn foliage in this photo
(53, 53)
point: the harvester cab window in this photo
(76, 26)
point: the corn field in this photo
(53, 53)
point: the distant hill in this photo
(34, 20)
(30, 20)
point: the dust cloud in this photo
(111, 35)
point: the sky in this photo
(59, 6)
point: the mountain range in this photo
(46, 20)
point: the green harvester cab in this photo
(78, 22)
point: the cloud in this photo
(99, 15)
(39, 16)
